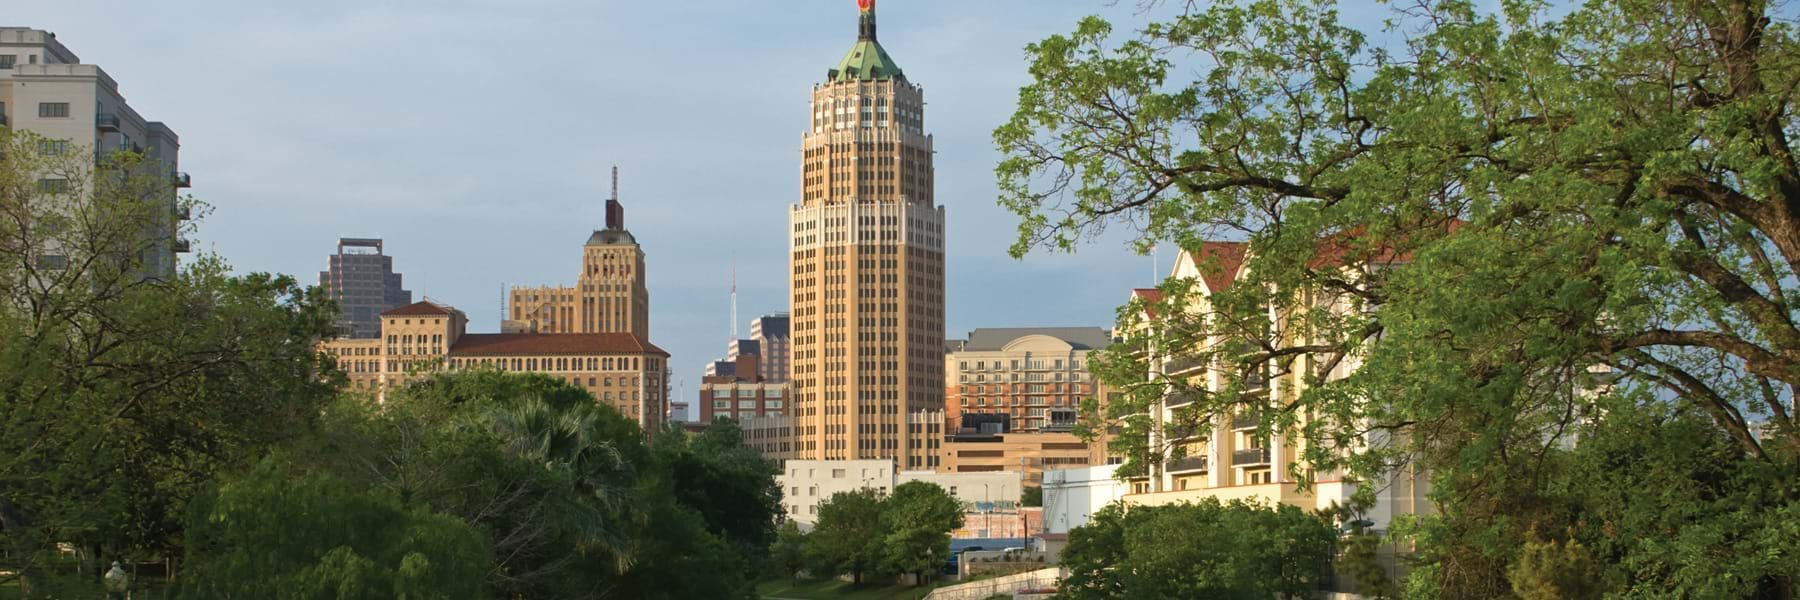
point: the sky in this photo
(476, 138)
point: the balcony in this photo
(1179, 400)
(1188, 464)
(106, 122)
(182, 180)
(1253, 457)
(1183, 365)
(1245, 421)
(181, 246)
(184, 213)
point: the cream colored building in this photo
(1230, 461)
(805, 484)
(610, 296)
(1037, 376)
(621, 370)
(867, 258)
(47, 90)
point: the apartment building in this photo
(361, 279)
(1227, 458)
(47, 90)
(1038, 376)
(621, 370)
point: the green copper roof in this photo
(867, 61)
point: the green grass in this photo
(838, 590)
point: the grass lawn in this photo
(834, 590)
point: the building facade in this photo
(770, 332)
(1029, 453)
(610, 295)
(361, 279)
(867, 258)
(807, 483)
(1036, 376)
(742, 394)
(47, 90)
(619, 369)
(1229, 458)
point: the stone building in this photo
(610, 294)
(1037, 376)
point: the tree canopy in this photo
(1460, 248)
(1204, 550)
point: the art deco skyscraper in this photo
(867, 258)
(611, 295)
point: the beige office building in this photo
(867, 262)
(45, 89)
(610, 294)
(621, 370)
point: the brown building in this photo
(610, 295)
(867, 257)
(1037, 376)
(742, 394)
(621, 370)
(974, 451)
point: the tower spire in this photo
(866, 30)
(615, 212)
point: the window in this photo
(8, 60)
(52, 262)
(717, 404)
(53, 186)
(53, 110)
(837, 473)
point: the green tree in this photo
(849, 536)
(788, 554)
(128, 385)
(1032, 496)
(1204, 550)
(275, 534)
(1496, 206)
(918, 518)
(729, 484)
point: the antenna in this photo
(615, 189)
(734, 335)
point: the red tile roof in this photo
(419, 309)
(508, 344)
(1219, 263)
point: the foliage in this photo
(1360, 561)
(788, 555)
(1032, 496)
(1555, 570)
(1204, 550)
(129, 385)
(729, 484)
(918, 519)
(274, 535)
(849, 536)
(1509, 223)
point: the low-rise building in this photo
(621, 370)
(985, 444)
(991, 497)
(1072, 496)
(742, 393)
(1037, 376)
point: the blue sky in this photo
(476, 136)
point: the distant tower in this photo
(362, 281)
(733, 300)
(867, 252)
(610, 296)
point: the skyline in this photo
(470, 197)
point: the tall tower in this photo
(613, 293)
(867, 258)
(610, 296)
